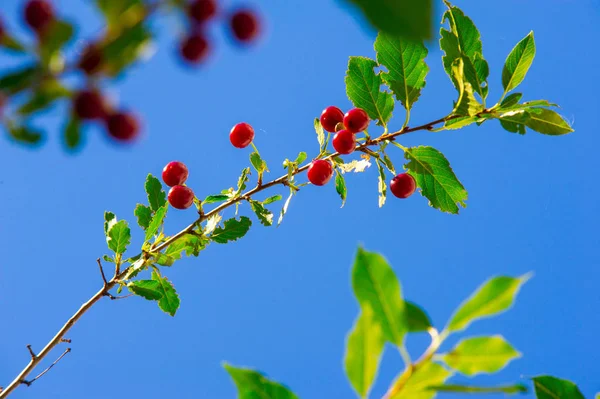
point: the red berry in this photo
(91, 60)
(244, 25)
(330, 117)
(241, 135)
(320, 172)
(2, 30)
(181, 197)
(344, 142)
(194, 48)
(403, 185)
(202, 10)
(356, 120)
(89, 105)
(38, 14)
(123, 126)
(175, 173)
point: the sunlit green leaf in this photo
(232, 230)
(417, 386)
(169, 301)
(263, 214)
(518, 62)
(215, 198)
(147, 289)
(254, 385)
(467, 104)
(156, 222)
(541, 120)
(156, 195)
(54, 38)
(272, 199)
(340, 186)
(320, 134)
(548, 387)
(456, 388)
(118, 237)
(143, 214)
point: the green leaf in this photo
(14, 82)
(340, 186)
(25, 134)
(417, 386)
(455, 388)
(435, 177)
(363, 89)
(118, 237)
(169, 302)
(109, 221)
(404, 18)
(192, 244)
(10, 42)
(215, 198)
(320, 135)
(467, 104)
(518, 62)
(156, 222)
(547, 387)
(232, 230)
(477, 355)
(405, 62)
(44, 96)
(242, 180)
(254, 385)
(120, 12)
(512, 126)
(541, 120)
(510, 100)
(156, 195)
(54, 38)
(416, 317)
(144, 215)
(163, 259)
(126, 48)
(259, 164)
(302, 155)
(72, 132)
(147, 289)
(272, 199)
(381, 184)
(492, 297)
(108, 258)
(364, 348)
(460, 122)
(263, 214)
(376, 287)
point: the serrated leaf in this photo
(320, 134)
(356, 166)
(340, 186)
(467, 104)
(518, 62)
(147, 289)
(191, 244)
(376, 286)
(272, 199)
(215, 198)
(156, 222)
(416, 317)
(364, 347)
(548, 387)
(493, 297)
(16, 81)
(109, 221)
(242, 180)
(144, 215)
(405, 62)
(417, 386)
(476, 355)
(72, 133)
(259, 164)
(285, 207)
(254, 385)
(460, 122)
(156, 195)
(381, 184)
(232, 230)
(169, 302)
(263, 214)
(436, 179)
(118, 237)
(363, 89)
(302, 155)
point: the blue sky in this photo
(280, 300)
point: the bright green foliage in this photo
(363, 89)
(254, 385)
(263, 214)
(467, 104)
(518, 62)
(476, 355)
(147, 289)
(320, 134)
(510, 101)
(377, 288)
(44, 96)
(494, 296)
(272, 199)
(231, 231)
(118, 236)
(120, 12)
(417, 387)
(169, 300)
(143, 214)
(156, 195)
(215, 198)
(242, 180)
(126, 48)
(405, 62)
(541, 120)
(547, 387)
(456, 388)
(435, 177)
(364, 348)
(162, 259)
(72, 132)
(156, 222)
(340, 186)
(259, 164)
(191, 244)
(416, 318)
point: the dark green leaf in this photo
(272, 199)
(511, 100)
(44, 96)
(512, 126)
(340, 186)
(72, 132)
(417, 386)
(25, 134)
(381, 185)
(109, 221)
(416, 317)
(254, 385)
(14, 82)
(455, 388)
(144, 215)
(263, 214)
(404, 18)
(118, 237)
(363, 89)
(54, 38)
(148, 289)
(126, 48)
(215, 198)
(169, 302)
(156, 195)
(547, 387)
(405, 62)
(494, 296)
(320, 134)
(435, 177)
(156, 222)
(232, 230)
(518, 62)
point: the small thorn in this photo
(31, 352)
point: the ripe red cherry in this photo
(38, 14)
(175, 173)
(89, 104)
(241, 135)
(194, 48)
(356, 120)
(181, 197)
(330, 117)
(91, 60)
(403, 185)
(202, 10)
(320, 172)
(123, 126)
(244, 25)
(344, 142)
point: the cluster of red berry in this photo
(174, 175)
(243, 23)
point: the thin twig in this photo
(28, 383)
(31, 352)
(102, 272)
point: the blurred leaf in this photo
(121, 12)
(263, 214)
(381, 185)
(435, 177)
(156, 196)
(44, 96)
(54, 38)
(9, 42)
(518, 62)
(16, 81)
(340, 186)
(232, 230)
(118, 237)
(548, 387)
(126, 48)
(494, 296)
(416, 317)
(156, 222)
(363, 89)
(376, 287)
(72, 132)
(417, 386)
(169, 301)
(476, 355)
(467, 104)
(404, 18)
(364, 348)
(25, 134)
(215, 198)
(254, 385)
(455, 388)
(144, 215)
(147, 289)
